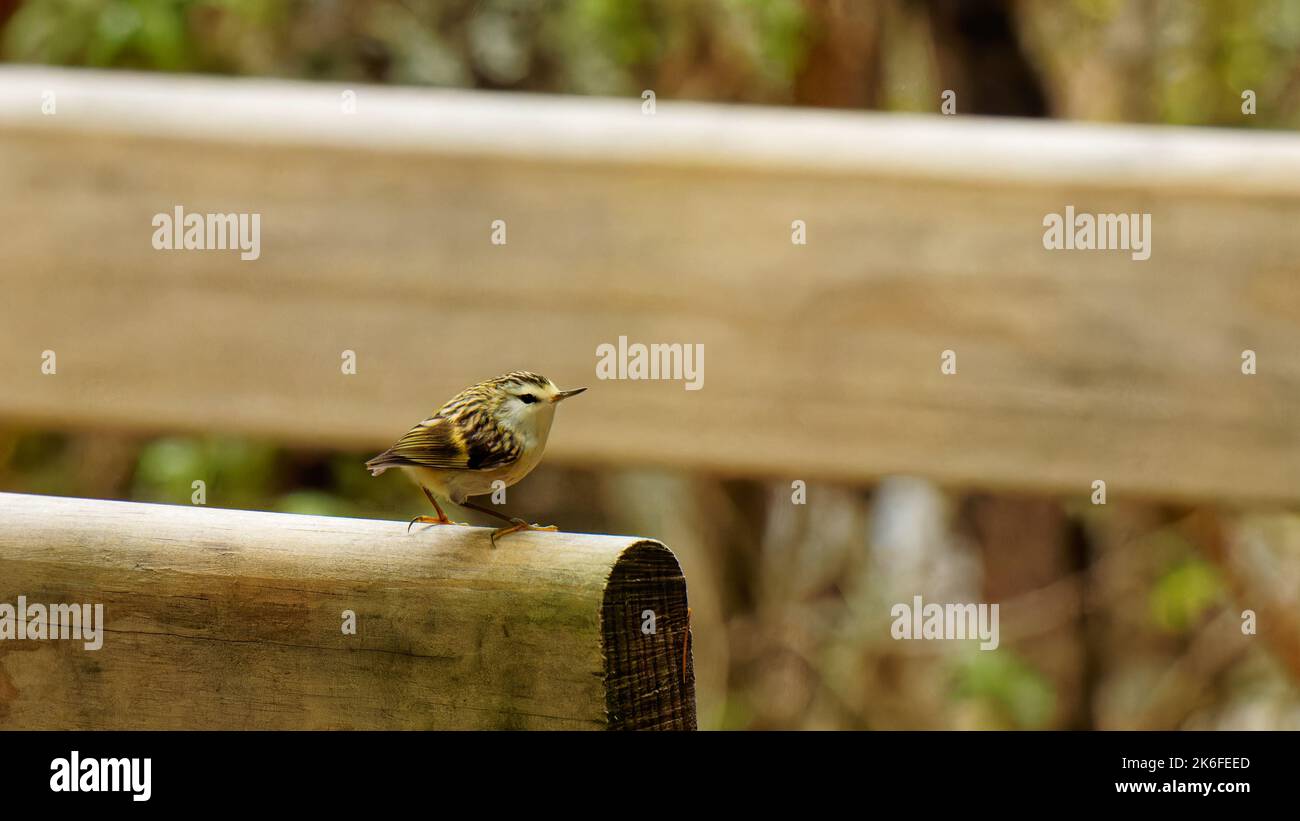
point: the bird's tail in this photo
(380, 463)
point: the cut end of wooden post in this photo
(227, 619)
(649, 676)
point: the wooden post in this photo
(226, 619)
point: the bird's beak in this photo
(567, 394)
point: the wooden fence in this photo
(924, 235)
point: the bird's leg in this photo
(516, 525)
(442, 517)
(429, 520)
(489, 511)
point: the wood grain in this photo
(822, 361)
(222, 619)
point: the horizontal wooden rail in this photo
(223, 619)
(924, 235)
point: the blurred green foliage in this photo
(236, 473)
(241, 472)
(1140, 60)
(1184, 594)
(1015, 694)
(584, 47)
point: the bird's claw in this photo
(516, 526)
(429, 520)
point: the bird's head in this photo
(526, 402)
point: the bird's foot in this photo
(517, 525)
(431, 520)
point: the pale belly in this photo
(457, 485)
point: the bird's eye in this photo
(527, 398)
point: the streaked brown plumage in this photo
(493, 431)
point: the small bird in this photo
(495, 430)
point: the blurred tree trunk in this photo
(1029, 548)
(842, 66)
(980, 57)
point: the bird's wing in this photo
(441, 443)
